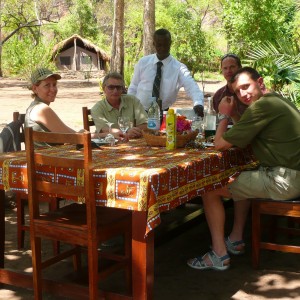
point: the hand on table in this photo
(119, 135)
(134, 133)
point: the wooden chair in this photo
(87, 118)
(22, 198)
(275, 209)
(80, 225)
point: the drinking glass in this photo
(124, 124)
(109, 126)
(198, 124)
(110, 138)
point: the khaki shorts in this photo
(276, 183)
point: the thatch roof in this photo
(69, 42)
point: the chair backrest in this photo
(12, 135)
(87, 118)
(17, 117)
(82, 161)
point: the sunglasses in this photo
(117, 87)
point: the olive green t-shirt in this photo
(272, 126)
(102, 112)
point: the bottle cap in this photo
(171, 111)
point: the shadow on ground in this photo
(278, 277)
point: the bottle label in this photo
(153, 123)
(171, 132)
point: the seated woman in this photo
(39, 115)
(115, 105)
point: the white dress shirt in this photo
(174, 76)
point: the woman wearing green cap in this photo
(39, 115)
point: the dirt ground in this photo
(72, 96)
(278, 277)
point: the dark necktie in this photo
(156, 83)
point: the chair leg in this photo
(36, 248)
(93, 270)
(256, 234)
(77, 263)
(128, 270)
(20, 221)
(54, 205)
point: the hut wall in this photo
(84, 58)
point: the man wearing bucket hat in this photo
(39, 115)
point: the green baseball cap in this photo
(42, 74)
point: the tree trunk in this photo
(149, 26)
(117, 51)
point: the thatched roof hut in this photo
(78, 54)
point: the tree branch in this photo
(29, 24)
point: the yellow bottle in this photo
(171, 130)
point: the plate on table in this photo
(208, 144)
(100, 142)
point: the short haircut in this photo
(234, 56)
(162, 32)
(114, 75)
(252, 72)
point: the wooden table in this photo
(134, 176)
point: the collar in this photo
(109, 107)
(164, 61)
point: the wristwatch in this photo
(222, 117)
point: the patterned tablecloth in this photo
(137, 177)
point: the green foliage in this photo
(279, 64)
(196, 27)
(133, 33)
(21, 56)
(248, 23)
(80, 20)
(192, 45)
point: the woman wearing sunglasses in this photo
(115, 104)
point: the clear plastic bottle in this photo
(210, 120)
(171, 129)
(154, 115)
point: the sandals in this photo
(218, 263)
(235, 248)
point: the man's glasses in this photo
(117, 87)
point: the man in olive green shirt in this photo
(270, 125)
(115, 105)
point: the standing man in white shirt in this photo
(174, 75)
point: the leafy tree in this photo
(248, 23)
(25, 18)
(192, 44)
(22, 57)
(279, 64)
(80, 20)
